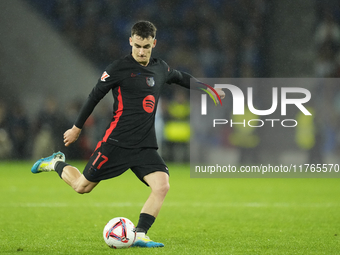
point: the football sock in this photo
(59, 167)
(145, 222)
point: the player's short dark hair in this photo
(144, 29)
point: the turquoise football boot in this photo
(145, 242)
(47, 164)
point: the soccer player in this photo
(129, 142)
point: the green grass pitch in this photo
(40, 214)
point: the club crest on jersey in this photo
(104, 76)
(150, 81)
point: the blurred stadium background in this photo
(52, 53)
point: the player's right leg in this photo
(69, 174)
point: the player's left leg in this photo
(159, 184)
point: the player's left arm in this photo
(220, 93)
(183, 79)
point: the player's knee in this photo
(79, 190)
(82, 190)
(162, 189)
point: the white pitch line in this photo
(28, 205)
(256, 204)
(173, 204)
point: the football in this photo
(119, 233)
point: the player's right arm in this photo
(107, 81)
(71, 135)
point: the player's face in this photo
(142, 48)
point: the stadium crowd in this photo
(327, 39)
(207, 38)
(327, 65)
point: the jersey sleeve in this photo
(106, 82)
(181, 78)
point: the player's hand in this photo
(220, 93)
(71, 135)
